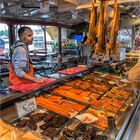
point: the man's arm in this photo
(36, 80)
(20, 63)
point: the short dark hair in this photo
(22, 30)
(84, 39)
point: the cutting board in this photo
(72, 70)
(30, 86)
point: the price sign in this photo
(53, 2)
(74, 14)
(25, 107)
(44, 7)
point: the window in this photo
(38, 42)
(38, 34)
(4, 40)
(124, 37)
(52, 43)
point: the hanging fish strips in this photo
(97, 34)
(102, 26)
(91, 32)
(114, 26)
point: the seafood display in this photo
(30, 86)
(88, 100)
(114, 77)
(72, 70)
(102, 115)
(59, 105)
(81, 131)
(43, 123)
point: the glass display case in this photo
(101, 101)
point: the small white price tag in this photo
(25, 107)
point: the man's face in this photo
(27, 37)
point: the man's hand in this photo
(34, 79)
(40, 80)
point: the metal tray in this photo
(39, 131)
(77, 130)
(64, 100)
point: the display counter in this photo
(100, 95)
(8, 95)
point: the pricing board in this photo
(25, 107)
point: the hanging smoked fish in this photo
(102, 26)
(114, 26)
(91, 33)
(106, 12)
(105, 22)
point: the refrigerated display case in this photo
(101, 95)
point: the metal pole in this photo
(133, 36)
(45, 42)
(11, 38)
(59, 36)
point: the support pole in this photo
(59, 36)
(133, 36)
(11, 38)
(45, 42)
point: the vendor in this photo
(21, 69)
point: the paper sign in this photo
(25, 107)
(53, 2)
(74, 14)
(44, 7)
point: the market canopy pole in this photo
(11, 36)
(45, 43)
(60, 47)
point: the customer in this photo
(21, 69)
(78, 49)
(85, 49)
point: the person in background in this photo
(137, 40)
(2, 43)
(78, 49)
(85, 49)
(21, 69)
